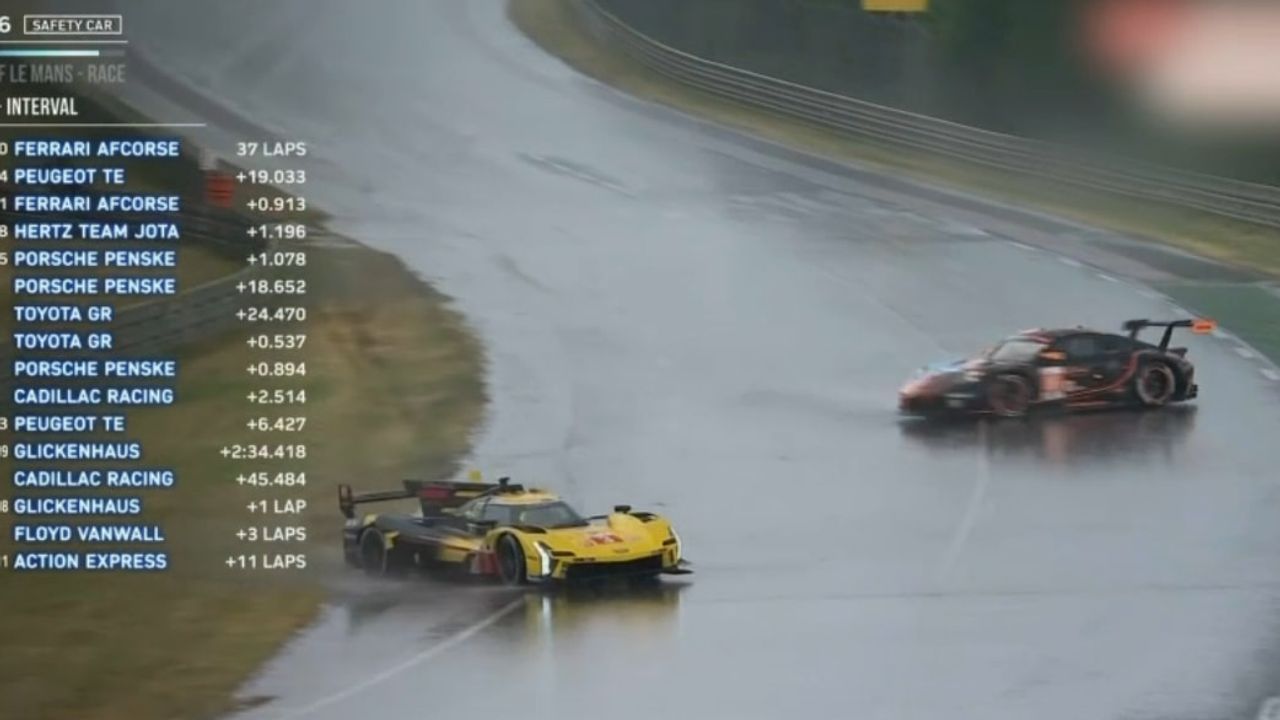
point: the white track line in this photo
(1070, 261)
(1244, 352)
(456, 639)
(1270, 374)
(976, 500)
(1023, 246)
(1107, 278)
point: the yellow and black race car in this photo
(516, 534)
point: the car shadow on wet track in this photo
(1062, 439)
(366, 601)
(639, 608)
(527, 620)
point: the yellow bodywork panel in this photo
(527, 497)
(458, 549)
(620, 537)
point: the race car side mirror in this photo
(622, 508)
(482, 525)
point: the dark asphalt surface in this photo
(711, 327)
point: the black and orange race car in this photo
(1076, 368)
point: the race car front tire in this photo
(1009, 395)
(511, 564)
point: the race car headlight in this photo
(544, 557)
(675, 536)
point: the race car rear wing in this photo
(1199, 326)
(434, 496)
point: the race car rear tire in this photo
(511, 564)
(1009, 395)
(1154, 384)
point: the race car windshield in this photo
(548, 515)
(1016, 350)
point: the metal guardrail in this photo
(1250, 202)
(169, 322)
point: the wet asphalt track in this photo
(705, 325)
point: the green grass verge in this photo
(1249, 311)
(395, 388)
(554, 26)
